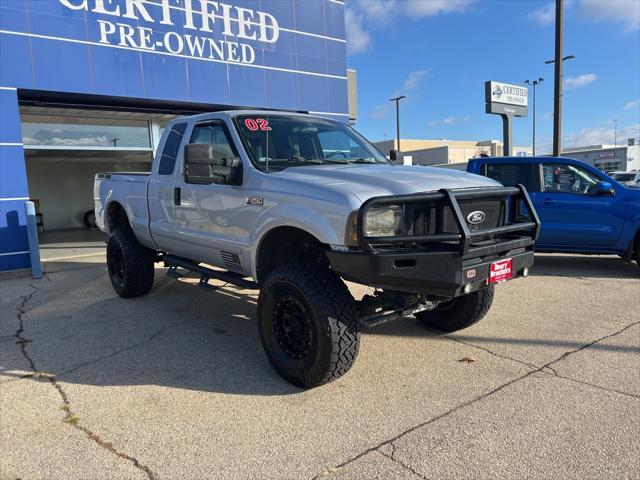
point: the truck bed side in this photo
(129, 190)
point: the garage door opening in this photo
(64, 149)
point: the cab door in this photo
(213, 220)
(572, 214)
(160, 191)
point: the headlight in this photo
(384, 221)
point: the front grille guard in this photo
(464, 239)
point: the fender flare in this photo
(303, 218)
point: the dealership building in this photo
(89, 85)
(449, 152)
(608, 158)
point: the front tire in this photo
(307, 324)
(130, 265)
(458, 313)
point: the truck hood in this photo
(366, 181)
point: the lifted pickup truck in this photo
(291, 205)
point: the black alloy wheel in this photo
(292, 327)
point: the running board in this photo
(207, 273)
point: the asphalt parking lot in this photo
(175, 385)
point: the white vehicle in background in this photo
(626, 178)
(292, 205)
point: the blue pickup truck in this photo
(582, 210)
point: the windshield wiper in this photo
(361, 160)
(316, 161)
(335, 160)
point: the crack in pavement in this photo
(152, 337)
(70, 418)
(546, 366)
(491, 352)
(582, 382)
(400, 462)
(571, 352)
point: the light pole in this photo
(534, 83)
(397, 100)
(615, 133)
(557, 80)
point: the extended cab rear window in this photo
(510, 174)
(170, 150)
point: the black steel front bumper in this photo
(443, 263)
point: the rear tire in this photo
(459, 313)
(130, 265)
(307, 324)
(89, 219)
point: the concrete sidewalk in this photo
(175, 385)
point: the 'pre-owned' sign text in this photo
(127, 23)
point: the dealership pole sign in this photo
(204, 29)
(508, 101)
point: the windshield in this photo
(623, 177)
(276, 142)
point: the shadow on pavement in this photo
(181, 336)
(594, 266)
(404, 328)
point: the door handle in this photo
(177, 194)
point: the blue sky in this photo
(439, 53)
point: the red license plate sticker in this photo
(501, 271)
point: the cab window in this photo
(567, 179)
(214, 134)
(170, 150)
(510, 174)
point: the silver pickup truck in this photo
(292, 205)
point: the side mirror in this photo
(396, 156)
(605, 189)
(206, 164)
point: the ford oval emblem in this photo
(476, 217)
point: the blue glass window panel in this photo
(61, 66)
(282, 10)
(13, 173)
(279, 59)
(246, 86)
(286, 43)
(117, 72)
(282, 90)
(338, 95)
(208, 82)
(336, 51)
(9, 117)
(57, 9)
(335, 19)
(337, 68)
(57, 26)
(14, 51)
(313, 93)
(309, 16)
(165, 77)
(13, 17)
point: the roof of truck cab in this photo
(523, 159)
(235, 113)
